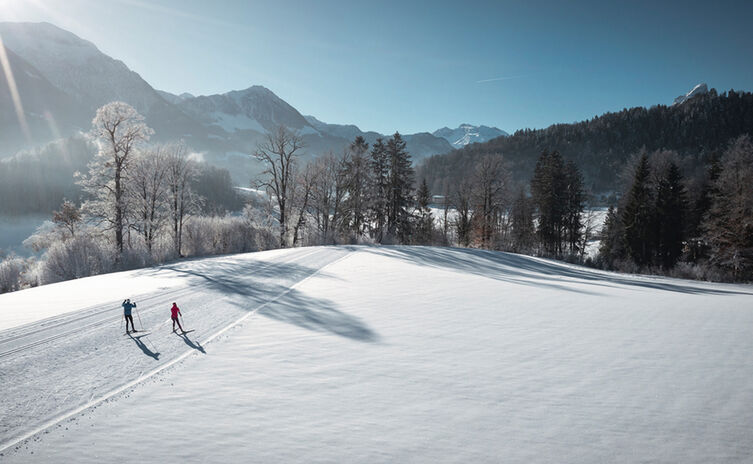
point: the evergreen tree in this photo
(671, 205)
(399, 189)
(357, 177)
(424, 219)
(638, 216)
(379, 191)
(610, 248)
(574, 199)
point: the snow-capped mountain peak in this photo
(699, 89)
(468, 133)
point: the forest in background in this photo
(697, 129)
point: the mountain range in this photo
(62, 79)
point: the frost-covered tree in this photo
(118, 131)
(278, 154)
(328, 191)
(183, 202)
(148, 193)
(67, 218)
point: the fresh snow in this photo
(386, 354)
(699, 89)
(236, 122)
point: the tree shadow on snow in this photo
(143, 347)
(252, 283)
(318, 315)
(527, 270)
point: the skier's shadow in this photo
(143, 347)
(195, 345)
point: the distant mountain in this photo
(77, 67)
(701, 124)
(467, 133)
(419, 145)
(699, 89)
(62, 80)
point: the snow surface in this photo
(236, 122)
(391, 354)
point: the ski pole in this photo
(122, 318)
(139, 316)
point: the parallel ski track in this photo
(14, 441)
(98, 311)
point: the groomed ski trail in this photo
(220, 293)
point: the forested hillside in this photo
(601, 146)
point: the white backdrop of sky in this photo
(419, 65)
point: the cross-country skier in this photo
(127, 306)
(175, 311)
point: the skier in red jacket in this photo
(175, 311)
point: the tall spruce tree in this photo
(400, 187)
(638, 216)
(379, 190)
(355, 204)
(671, 205)
(424, 219)
(574, 199)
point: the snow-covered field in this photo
(381, 354)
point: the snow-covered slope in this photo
(467, 133)
(77, 67)
(255, 108)
(384, 354)
(699, 89)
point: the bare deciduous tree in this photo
(118, 130)
(183, 202)
(279, 154)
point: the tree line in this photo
(666, 222)
(602, 145)
(141, 205)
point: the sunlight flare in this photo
(5, 63)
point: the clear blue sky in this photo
(417, 66)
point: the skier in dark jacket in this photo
(127, 306)
(174, 311)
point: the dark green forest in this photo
(602, 146)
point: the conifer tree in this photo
(379, 189)
(424, 218)
(671, 205)
(356, 166)
(638, 216)
(399, 189)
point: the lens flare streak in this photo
(5, 63)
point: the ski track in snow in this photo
(36, 360)
(396, 354)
